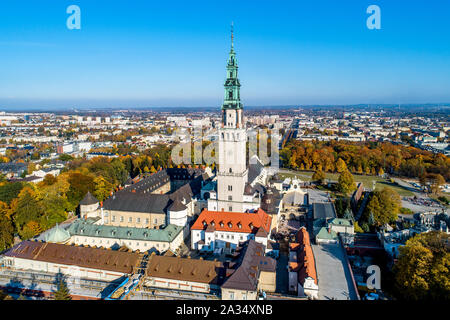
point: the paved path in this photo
(332, 271)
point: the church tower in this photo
(232, 167)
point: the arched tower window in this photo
(230, 95)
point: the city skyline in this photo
(149, 55)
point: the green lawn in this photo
(366, 180)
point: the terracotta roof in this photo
(184, 269)
(86, 257)
(248, 222)
(305, 258)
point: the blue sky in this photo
(173, 53)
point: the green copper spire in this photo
(232, 97)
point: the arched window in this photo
(231, 170)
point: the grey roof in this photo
(88, 199)
(270, 202)
(251, 261)
(137, 202)
(177, 205)
(294, 197)
(248, 190)
(254, 170)
(324, 210)
(82, 228)
(138, 197)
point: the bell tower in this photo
(232, 167)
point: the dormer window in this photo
(230, 225)
(221, 223)
(213, 223)
(239, 225)
(204, 223)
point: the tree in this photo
(341, 166)
(348, 214)
(384, 206)
(381, 172)
(437, 180)
(49, 179)
(423, 267)
(319, 176)
(65, 157)
(9, 191)
(31, 229)
(80, 184)
(26, 208)
(6, 228)
(102, 188)
(357, 228)
(346, 183)
(63, 292)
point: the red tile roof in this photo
(230, 221)
(306, 265)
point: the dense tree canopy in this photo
(423, 267)
(383, 207)
(363, 158)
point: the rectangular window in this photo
(130, 219)
(138, 220)
(147, 220)
(230, 198)
(230, 208)
(113, 218)
(121, 218)
(230, 188)
(156, 221)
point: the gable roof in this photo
(248, 222)
(305, 264)
(82, 228)
(186, 269)
(250, 262)
(255, 168)
(117, 261)
(323, 210)
(137, 202)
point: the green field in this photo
(366, 180)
